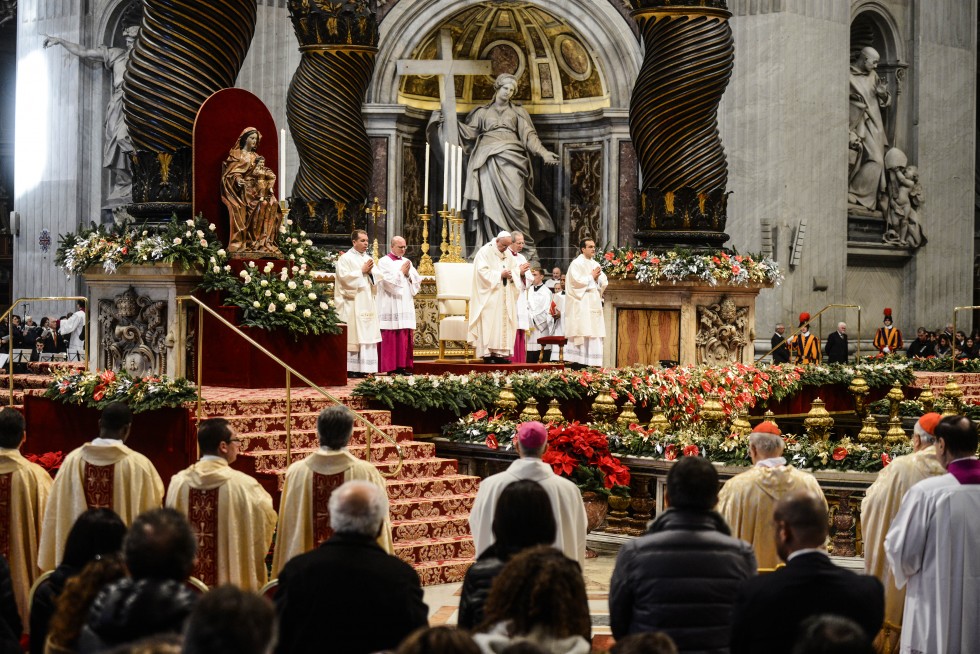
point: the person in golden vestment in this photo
(244, 519)
(101, 474)
(24, 488)
(304, 521)
(747, 500)
(881, 502)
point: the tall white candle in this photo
(459, 177)
(282, 164)
(425, 193)
(446, 165)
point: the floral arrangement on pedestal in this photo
(267, 300)
(682, 265)
(99, 389)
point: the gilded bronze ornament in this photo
(859, 389)
(952, 393)
(507, 401)
(627, 416)
(869, 434)
(818, 422)
(553, 414)
(530, 411)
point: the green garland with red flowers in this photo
(682, 265)
(99, 389)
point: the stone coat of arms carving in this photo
(133, 333)
(722, 332)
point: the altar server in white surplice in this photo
(398, 283)
(354, 296)
(932, 545)
(585, 328)
(539, 316)
(522, 278)
(493, 303)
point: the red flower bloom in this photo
(107, 376)
(479, 415)
(885, 459)
(492, 441)
(691, 450)
(608, 256)
(98, 392)
(839, 453)
(671, 452)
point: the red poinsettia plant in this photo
(580, 453)
(50, 461)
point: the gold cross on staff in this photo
(375, 212)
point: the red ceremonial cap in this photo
(804, 317)
(767, 427)
(927, 423)
(532, 435)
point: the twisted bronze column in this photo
(674, 121)
(323, 107)
(186, 50)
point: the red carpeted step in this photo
(435, 487)
(270, 460)
(437, 507)
(255, 402)
(258, 441)
(435, 549)
(452, 526)
(433, 467)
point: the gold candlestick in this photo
(452, 251)
(425, 262)
(444, 245)
(375, 211)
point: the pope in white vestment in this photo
(584, 326)
(493, 304)
(398, 284)
(354, 297)
(932, 546)
(566, 498)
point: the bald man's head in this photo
(801, 523)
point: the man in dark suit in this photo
(837, 345)
(781, 353)
(809, 585)
(349, 595)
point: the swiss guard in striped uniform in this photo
(888, 339)
(805, 346)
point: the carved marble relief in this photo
(132, 330)
(585, 192)
(413, 164)
(722, 333)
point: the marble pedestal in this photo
(133, 321)
(680, 322)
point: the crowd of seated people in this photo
(42, 341)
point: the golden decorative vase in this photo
(618, 519)
(553, 414)
(507, 401)
(603, 407)
(869, 434)
(859, 389)
(627, 416)
(741, 424)
(895, 397)
(818, 421)
(658, 421)
(712, 412)
(895, 435)
(530, 411)
(952, 393)
(927, 399)
(769, 416)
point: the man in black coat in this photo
(683, 575)
(836, 349)
(809, 585)
(781, 353)
(349, 595)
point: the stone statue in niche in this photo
(134, 334)
(248, 190)
(721, 336)
(117, 145)
(904, 198)
(867, 140)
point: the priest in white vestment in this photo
(354, 296)
(303, 518)
(531, 442)
(522, 278)
(881, 502)
(24, 488)
(584, 326)
(101, 474)
(557, 312)
(539, 316)
(493, 303)
(74, 327)
(245, 519)
(398, 284)
(932, 546)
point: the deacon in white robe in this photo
(531, 442)
(398, 283)
(557, 312)
(538, 299)
(74, 327)
(493, 303)
(932, 546)
(522, 278)
(354, 297)
(584, 326)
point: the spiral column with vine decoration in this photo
(186, 50)
(674, 121)
(323, 107)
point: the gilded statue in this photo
(247, 189)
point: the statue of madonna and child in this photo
(248, 190)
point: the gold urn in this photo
(769, 416)
(927, 399)
(712, 412)
(553, 414)
(952, 393)
(818, 421)
(658, 421)
(627, 416)
(859, 389)
(507, 401)
(603, 407)
(895, 397)
(741, 424)
(869, 434)
(530, 411)
(895, 435)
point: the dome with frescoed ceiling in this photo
(555, 67)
